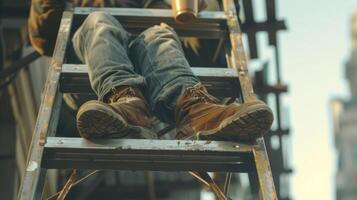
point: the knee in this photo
(98, 17)
(161, 31)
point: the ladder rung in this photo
(209, 24)
(219, 81)
(155, 155)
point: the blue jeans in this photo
(153, 61)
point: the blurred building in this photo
(345, 128)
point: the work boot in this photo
(125, 112)
(201, 116)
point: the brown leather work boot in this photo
(200, 116)
(125, 113)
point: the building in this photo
(345, 128)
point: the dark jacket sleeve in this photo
(43, 24)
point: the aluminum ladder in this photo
(50, 152)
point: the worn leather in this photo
(130, 103)
(198, 112)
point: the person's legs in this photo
(158, 55)
(102, 43)
(176, 94)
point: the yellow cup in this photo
(185, 11)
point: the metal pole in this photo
(227, 183)
(33, 182)
(237, 55)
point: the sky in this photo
(313, 52)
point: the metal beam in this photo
(237, 57)
(264, 175)
(32, 185)
(208, 17)
(155, 155)
(249, 18)
(219, 81)
(238, 60)
(207, 25)
(270, 10)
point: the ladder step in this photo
(219, 81)
(155, 155)
(209, 24)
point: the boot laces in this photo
(201, 95)
(128, 92)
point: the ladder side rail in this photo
(237, 59)
(264, 175)
(33, 181)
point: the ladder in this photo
(50, 152)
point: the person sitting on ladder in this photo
(138, 77)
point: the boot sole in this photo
(250, 123)
(98, 120)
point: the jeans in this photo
(153, 61)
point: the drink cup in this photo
(185, 11)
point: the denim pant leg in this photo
(158, 54)
(102, 43)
